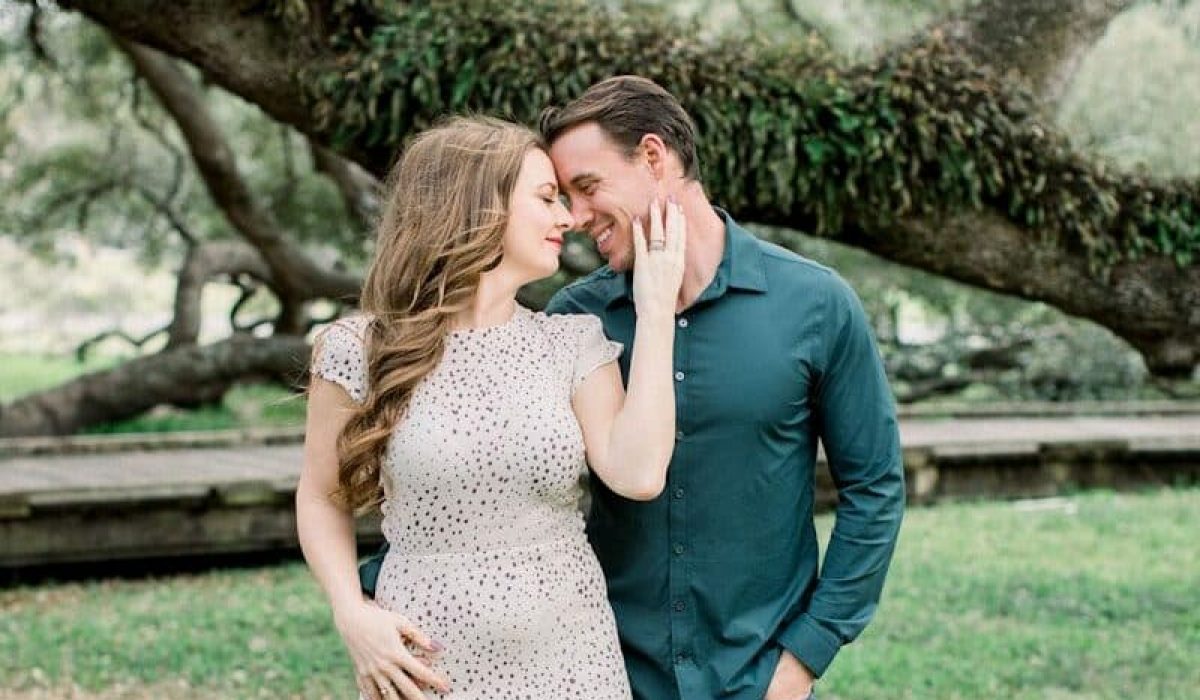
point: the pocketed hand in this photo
(792, 680)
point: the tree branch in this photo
(213, 33)
(81, 350)
(1007, 204)
(359, 189)
(164, 208)
(1040, 42)
(200, 264)
(178, 376)
(293, 273)
(1150, 302)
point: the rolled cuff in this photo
(811, 643)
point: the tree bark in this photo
(1151, 301)
(1040, 41)
(236, 43)
(203, 262)
(294, 275)
(186, 375)
(360, 191)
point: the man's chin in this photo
(621, 261)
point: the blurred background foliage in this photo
(98, 198)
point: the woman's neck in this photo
(495, 303)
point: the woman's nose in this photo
(564, 218)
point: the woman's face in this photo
(537, 220)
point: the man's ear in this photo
(656, 154)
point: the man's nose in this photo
(581, 214)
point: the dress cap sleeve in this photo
(340, 356)
(592, 348)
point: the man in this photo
(715, 584)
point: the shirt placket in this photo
(681, 612)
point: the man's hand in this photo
(792, 680)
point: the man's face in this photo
(606, 190)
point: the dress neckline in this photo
(479, 331)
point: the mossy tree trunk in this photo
(938, 155)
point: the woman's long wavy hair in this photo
(442, 228)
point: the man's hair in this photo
(626, 108)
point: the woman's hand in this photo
(658, 260)
(383, 664)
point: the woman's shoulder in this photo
(566, 325)
(340, 354)
(346, 332)
(355, 324)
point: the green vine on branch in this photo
(786, 128)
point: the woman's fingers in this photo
(657, 231)
(398, 681)
(676, 228)
(414, 634)
(399, 678)
(639, 239)
(368, 688)
(421, 672)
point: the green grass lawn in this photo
(22, 373)
(1098, 600)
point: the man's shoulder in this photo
(588, 294)
(802, 280)
(794, 273)
(777, 256)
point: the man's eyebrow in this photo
(581, 179)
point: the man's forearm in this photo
(854, 569)
(368, 570)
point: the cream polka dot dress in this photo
(488, 553)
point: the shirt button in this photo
(679, 606)
(678, 549)
(678, 434)
(679, 376)
(681, 657)
(678, 492)
(683, 323)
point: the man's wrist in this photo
(810, 643)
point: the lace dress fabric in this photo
(482, 482)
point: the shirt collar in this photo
(741, 267)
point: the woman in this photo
(468, 418)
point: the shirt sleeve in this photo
(858, 429)
(339, 356)
(592, 349)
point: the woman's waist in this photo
(484, 549)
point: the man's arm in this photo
(857, 423)
(368, 570)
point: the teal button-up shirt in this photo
(712, 578)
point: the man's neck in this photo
(705, 243)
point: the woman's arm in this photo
(630, 436)
(373, 636)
